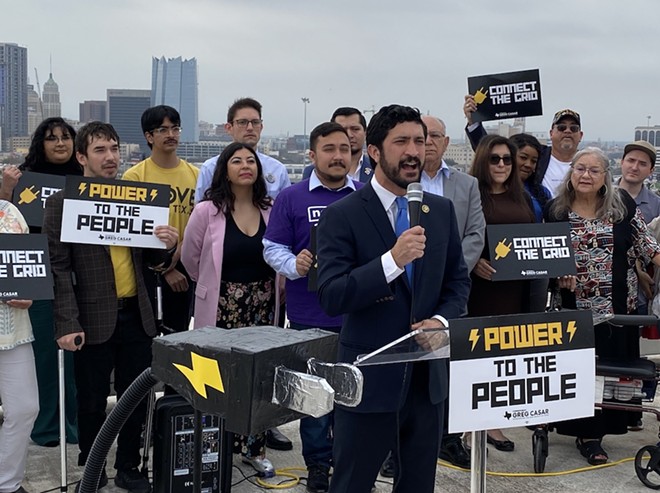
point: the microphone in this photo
(415, 194)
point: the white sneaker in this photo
(262, 465)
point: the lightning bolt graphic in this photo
(204, 372)
(571, 330)
(82, 188)
(154, 192)
(474, 337)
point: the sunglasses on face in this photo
(562, 127)
(495, 159)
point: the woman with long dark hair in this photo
(504, 201)
(223, 253)
(51, 152)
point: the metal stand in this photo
(62, 403)
(478, 459)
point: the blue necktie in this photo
(401, 224)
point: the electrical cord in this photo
(541, 474)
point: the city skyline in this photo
(595, 57)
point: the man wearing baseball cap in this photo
(555, 160)
(637, 165)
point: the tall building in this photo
(35, 113)
(650, 134)
(174, 83)
(13, 92)
(125, 108)
(51, 98)
(91, 111)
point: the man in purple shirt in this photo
(287, 249)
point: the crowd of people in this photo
(238, 250)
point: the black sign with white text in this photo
(25, 268)
(530, 251)
(31, 192)
(507, 95)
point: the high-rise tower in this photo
(174, 83)
(13, 92)
(51, 98)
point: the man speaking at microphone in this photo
(372, 265)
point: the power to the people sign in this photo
(519, 370)
(114, 212)
(507, 95)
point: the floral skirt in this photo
(247, 305)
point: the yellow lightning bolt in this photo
(154, 192)
(571, 330)
(205, 371)
(474, 337)
(82, 188)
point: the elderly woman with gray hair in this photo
(608, 234)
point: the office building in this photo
(35, 113)
(91, 111)
(125, 108)
(650, 134)
(174, 83)
(51, 99)
(13, 92)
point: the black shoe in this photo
(317, 479)
(132, 480)
(453, 452)
(276, 440)
(103, 481)
(388, 469)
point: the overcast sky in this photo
(598, 57)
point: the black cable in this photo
(110, 429)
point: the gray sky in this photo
(598, 57)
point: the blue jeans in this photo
(316, 433)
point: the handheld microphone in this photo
(415, 194)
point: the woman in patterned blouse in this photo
(608, 234)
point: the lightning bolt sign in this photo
(204, 372)
(571, 330)
(474, 337)
(153, 194)
(82, 188)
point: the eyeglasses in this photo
(495, 159)
(55, 138)
(166, 130)
(581, 170)
(562, 127)
(244, 123)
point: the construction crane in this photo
(41, 104)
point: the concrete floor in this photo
(508, 472)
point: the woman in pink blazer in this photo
(223, 253)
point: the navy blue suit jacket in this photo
(366, 171)
(352, 235)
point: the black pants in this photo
(128, 352)
(362, 440)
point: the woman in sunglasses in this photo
(504, 201)
(608, 234)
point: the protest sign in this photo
(114, 212)
(530, 251)
(520, 370)
(31, 192)
(25, 268)
(507, 95)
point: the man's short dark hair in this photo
(348, 111)
(241, 103)
(323, 130)
(389, 117)
(153, 117)
(87, 133)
